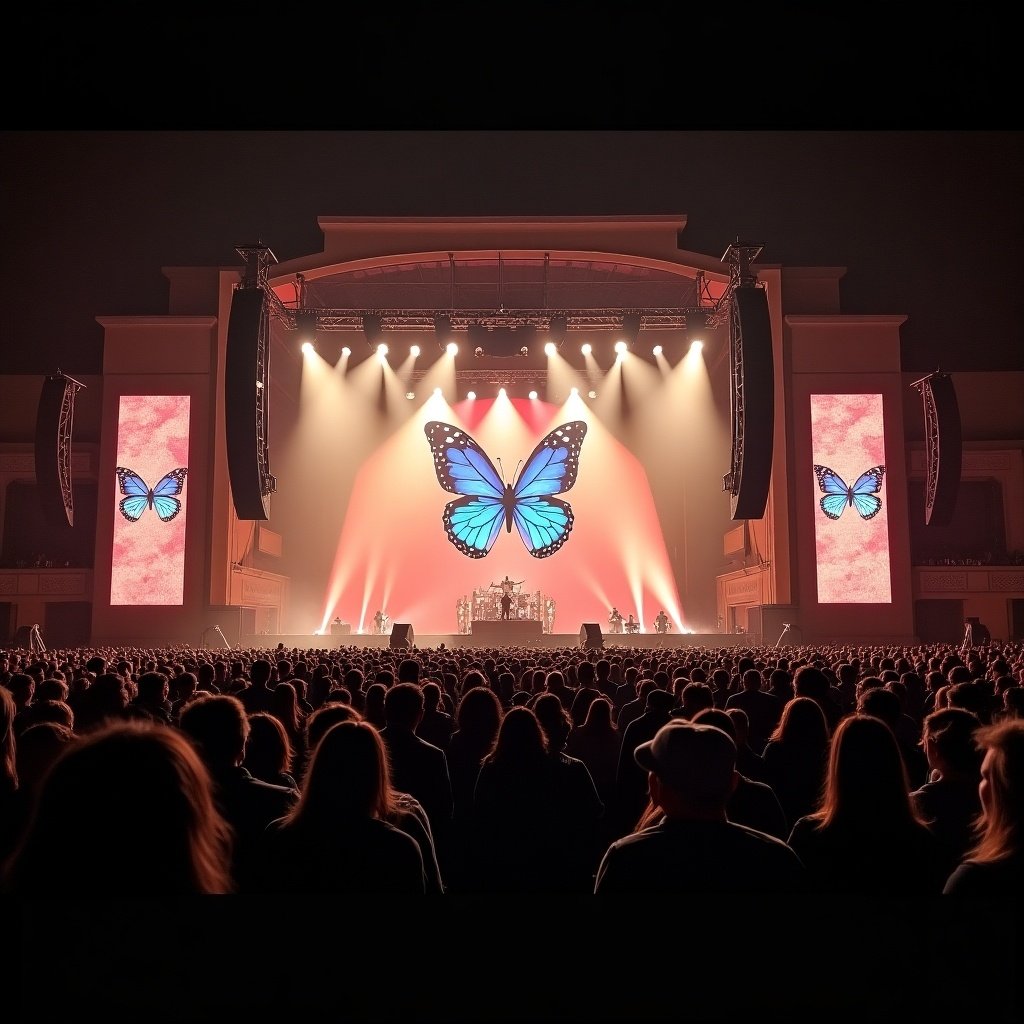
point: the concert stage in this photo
(653, 641)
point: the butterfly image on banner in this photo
(862, 495)
(141, 496)
(473, 521)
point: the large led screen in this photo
(851, 528)
(148, 557)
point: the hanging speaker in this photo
(944, 448)
(245, 402)
(54, 418)
(753, 403)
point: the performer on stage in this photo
(632, 626)
(615, 621)
(508, 589)
(378, 621)
(661, 622)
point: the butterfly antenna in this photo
(502, 468)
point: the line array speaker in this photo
(944, 447)
(753, 380)
(53, 452)
(244, 405)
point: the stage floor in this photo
(670, 641)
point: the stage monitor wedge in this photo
(402, 635)
(753, 403)
(246, 403)
(590, 636)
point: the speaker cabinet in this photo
(753, 402)
(944, 449)
(245, 401)
(53, 452)
(402, 635)
(590, 636)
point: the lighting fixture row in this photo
(621, 348)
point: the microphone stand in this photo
(785, 630)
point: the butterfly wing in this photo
(472, 522)
(544, 522)
(130, 483)
(865, 500)
(166, 505)
(555, 462)
(461, 465)
(837, 494)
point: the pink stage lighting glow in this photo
(148, 557)
(393, 553)
(851, 526)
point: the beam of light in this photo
(381, 538)
(621, 347)
(346, 351)
(656, 351)
(471, 395)
(533, 396)
(586, 348)
(550, 348)
(307, 348)
(452, 348)
(696, 346)
(414, 351)
(382, 352)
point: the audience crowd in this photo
(851, 769)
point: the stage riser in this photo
(653, 641)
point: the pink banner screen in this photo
(148, 558)
(851, 528)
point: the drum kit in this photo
(484, 605)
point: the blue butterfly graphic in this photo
(474, 521)
(862, 495)
(141, 496)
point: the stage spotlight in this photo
(382, 351)
(585, 348)
(550, 348)
(373, 329)
(437, 391)
(656, 351)
(574, 392)
(502, 393)
(471, 395)
(410, 395)
(696, 346)
(592, 394)
(346, 351)
(621, 347)
(696, 325)
(452, 348)
(533, 396)
(414, 350)
(307, 348)
(631, 324)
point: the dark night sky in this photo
(929, 224)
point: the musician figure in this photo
(615, 621)
(378, 622)
(661, 622)
(508, 589)
(632, 626)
